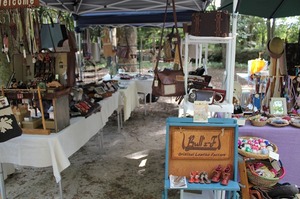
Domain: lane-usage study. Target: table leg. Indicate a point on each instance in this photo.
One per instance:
(100, 139)
(145, 102)
(3, 193)
(118, 120)
(121, 118)
(60, 190)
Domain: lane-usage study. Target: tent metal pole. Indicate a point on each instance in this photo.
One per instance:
(78, 41)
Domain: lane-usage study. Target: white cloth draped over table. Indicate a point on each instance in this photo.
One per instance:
(130, 98)
(55, 149)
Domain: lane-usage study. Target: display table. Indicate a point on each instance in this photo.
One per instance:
(287, 139)
(129, 97)
(55, 149)
(130, 93)
(187, 108)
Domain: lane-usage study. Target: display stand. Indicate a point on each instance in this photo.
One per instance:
(198, 41)
(58, 98)
(201, 147)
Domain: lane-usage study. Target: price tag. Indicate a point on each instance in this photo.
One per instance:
(155, 83)
(20, 96)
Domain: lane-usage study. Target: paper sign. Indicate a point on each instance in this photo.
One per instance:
(273, 155)
(200, 111)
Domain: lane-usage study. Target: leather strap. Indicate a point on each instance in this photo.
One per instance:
(162, 35)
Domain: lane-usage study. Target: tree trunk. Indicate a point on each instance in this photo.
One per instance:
(127, 48)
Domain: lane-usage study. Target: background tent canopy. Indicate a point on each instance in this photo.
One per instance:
(264, 8)
(116, 12)
(145, 18)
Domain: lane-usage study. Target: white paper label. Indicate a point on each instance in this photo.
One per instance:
(169, 89)
(200, 111)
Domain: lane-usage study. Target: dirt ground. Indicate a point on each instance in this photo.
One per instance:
(130, 166)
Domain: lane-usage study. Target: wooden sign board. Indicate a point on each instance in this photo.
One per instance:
(200, 143)
(12, 4)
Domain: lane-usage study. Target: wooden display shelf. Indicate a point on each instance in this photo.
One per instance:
(59, 98)
(36, 131)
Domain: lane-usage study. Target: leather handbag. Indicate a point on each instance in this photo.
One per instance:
(9, 127)
(169, 82)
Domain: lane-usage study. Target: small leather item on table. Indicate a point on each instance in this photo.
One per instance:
(201, 95)
(219, 95)
(211, 95)
(168, 83)
(198, 82)
(9, 127)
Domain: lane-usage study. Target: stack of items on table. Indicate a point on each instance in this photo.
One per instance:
(264, 171)
(273, 120)
(199, 88)
(84, 99)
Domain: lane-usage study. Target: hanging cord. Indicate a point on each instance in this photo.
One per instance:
(162, 33)
(161, 39)
(177, 33)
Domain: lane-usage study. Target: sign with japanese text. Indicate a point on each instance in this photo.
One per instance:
(201, 143)
(11, 4)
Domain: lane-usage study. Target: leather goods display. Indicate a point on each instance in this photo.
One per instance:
(201, 95)
(9, 127)
(169, 82)
(198, 82)
(213, 23)
(219, 94)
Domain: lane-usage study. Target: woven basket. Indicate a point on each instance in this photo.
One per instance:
(261, 181)
(254, 155)
(278, 125)
(258, 123)
(295, 124)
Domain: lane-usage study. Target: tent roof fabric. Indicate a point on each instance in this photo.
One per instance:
(116, 12)
(81, 7)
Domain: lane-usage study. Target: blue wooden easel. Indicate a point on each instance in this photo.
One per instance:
(213, 123)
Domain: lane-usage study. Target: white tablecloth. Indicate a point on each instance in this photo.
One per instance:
(130, 98)
(129, 95)
(187, 108)
(54, 149)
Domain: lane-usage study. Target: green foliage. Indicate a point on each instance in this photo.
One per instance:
(5, 70)
(288, 29)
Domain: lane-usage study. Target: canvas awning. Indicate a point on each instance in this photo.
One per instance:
(264, 8)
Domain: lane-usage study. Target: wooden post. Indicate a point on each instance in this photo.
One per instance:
(244, 179)
(42, 108)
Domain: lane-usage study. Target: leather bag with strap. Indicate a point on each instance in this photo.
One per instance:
(169, 82)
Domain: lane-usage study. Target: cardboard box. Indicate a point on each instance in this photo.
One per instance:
(50, 124)
(20, 112)
(33, 123)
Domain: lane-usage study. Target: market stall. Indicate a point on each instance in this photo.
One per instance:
(55, 149)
